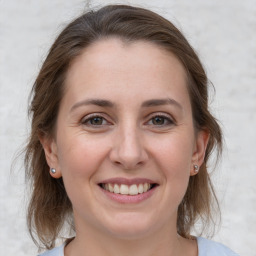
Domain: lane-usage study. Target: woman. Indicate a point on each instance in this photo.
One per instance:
(120, 141)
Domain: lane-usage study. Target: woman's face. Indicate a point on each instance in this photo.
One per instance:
(125, 143)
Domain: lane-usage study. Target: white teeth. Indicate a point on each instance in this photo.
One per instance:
(141, 190)
(133, 190)
(110, 188)
(124, 189)
(145, 187)
(116, 189)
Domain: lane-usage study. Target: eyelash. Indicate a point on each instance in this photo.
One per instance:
(87, 119)
(167, 120)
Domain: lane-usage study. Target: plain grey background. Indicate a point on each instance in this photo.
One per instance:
(224, 35)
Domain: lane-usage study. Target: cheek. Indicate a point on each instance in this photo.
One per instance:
(79, 156)
(174, 159)
(79, 160)
(176, 153)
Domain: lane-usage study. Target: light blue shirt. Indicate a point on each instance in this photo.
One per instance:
(205, 248)
(210, 248)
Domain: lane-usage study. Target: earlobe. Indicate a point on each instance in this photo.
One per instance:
(199, 151)
(51, 156)
(55, 173)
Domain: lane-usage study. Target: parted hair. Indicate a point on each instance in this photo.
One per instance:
(49, 206)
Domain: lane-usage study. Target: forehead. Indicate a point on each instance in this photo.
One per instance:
(112, 66)
(101, 51)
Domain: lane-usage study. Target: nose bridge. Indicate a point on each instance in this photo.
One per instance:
(128, 149)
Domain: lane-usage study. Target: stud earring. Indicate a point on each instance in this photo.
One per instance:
(53, 171)
(196, 168)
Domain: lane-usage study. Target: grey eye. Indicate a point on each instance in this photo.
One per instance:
(97, 120)
(158, 120)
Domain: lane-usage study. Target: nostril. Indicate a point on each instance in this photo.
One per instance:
(128, 155)
(129, 166)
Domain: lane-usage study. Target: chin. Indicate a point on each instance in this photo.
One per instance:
(130, 226)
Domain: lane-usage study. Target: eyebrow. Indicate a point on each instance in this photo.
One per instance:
(109, 104)
(160, 102)
(97, 102)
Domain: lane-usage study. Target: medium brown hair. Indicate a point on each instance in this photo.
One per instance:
(50, 206)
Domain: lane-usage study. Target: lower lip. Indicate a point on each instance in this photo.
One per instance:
(128, 199)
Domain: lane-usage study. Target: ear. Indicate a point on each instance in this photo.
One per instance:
(51, 156)
(201, 142)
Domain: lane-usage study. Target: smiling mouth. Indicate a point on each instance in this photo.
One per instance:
(123, 189)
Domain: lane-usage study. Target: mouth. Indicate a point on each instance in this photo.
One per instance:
(124, 189)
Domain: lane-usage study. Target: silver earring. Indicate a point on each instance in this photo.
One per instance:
(53, 171)
(196, 168)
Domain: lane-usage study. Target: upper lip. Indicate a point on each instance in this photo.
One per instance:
(120, 180)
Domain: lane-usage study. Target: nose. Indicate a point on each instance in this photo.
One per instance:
(128, 150)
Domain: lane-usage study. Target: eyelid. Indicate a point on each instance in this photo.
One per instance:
(88, 117)
(84, 121)
(163, 115)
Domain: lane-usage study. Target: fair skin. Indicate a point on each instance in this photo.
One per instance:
(125, 123)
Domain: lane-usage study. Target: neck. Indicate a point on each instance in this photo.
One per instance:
(164, 242)
(117, 247)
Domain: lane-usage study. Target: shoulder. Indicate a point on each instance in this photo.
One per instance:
(58, 251)
(210, 248)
